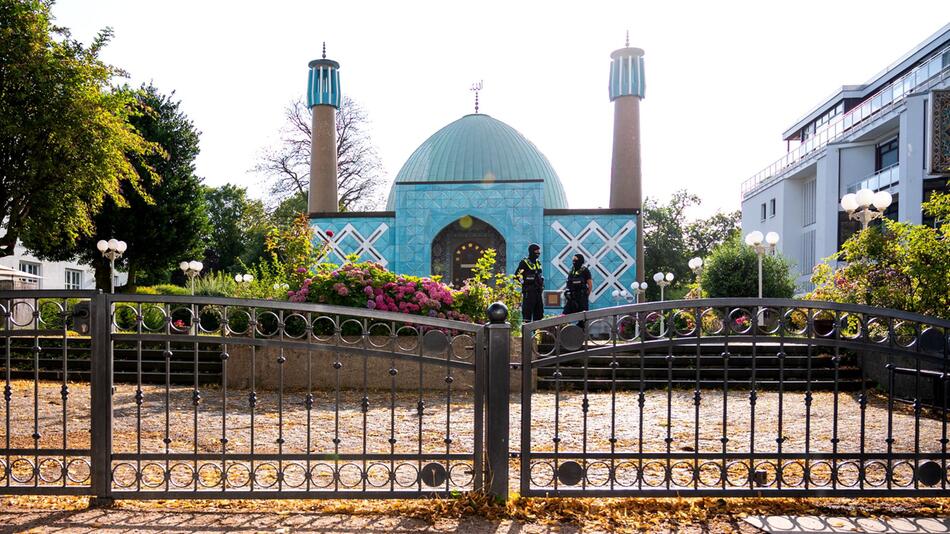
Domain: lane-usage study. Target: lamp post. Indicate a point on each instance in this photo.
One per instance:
(866, 205)
(111, 249)
(616, 295)
(754, 240)
(696, 265)
(640, 288)
(663, 280)
(191, 270)
(243, 278)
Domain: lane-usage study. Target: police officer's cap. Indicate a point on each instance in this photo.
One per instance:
(534, 246)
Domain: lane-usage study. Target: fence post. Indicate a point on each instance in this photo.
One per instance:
(101, 386)
(498, 387)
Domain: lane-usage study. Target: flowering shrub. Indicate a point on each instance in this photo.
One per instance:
(371, 286)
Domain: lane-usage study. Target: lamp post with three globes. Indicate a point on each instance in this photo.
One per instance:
(111, 249)
(191, 270)
(859, 205)
(755, 240)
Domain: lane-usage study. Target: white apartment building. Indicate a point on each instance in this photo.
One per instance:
(51, 274)
(877, 135)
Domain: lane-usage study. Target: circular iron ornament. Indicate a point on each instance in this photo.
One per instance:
(604, 326)
(463, 347)
(713, 322)
(627, 329)
(435, 342)
(848, 473)
(905, 335)
(681, 319)
(322, 475)
(598, 474)
(655, 325)
(349, 475)
(740, 321)
(323, 328)
(932, 340)
(571, 338)
(123, 318)
(433, 474)
(820, 469)
(294, 475)
(407, 339)
(379, 331)
(295, 326)
(3, 470)
(22, 464)
(378, 475)
(710, 474)
(769, 320)
(30, 314)
(796, 322)
(654, 474)
(351, 338)
(57, 466)
(543, 468)
(570, 473)
(770, 474)
(930, 473)
(178, 479)
(626, 474)
(183, 314)
(154, 317)
(738, 474)
(544, 343)
(823, 323)
(236, 318)
(214, 470)
(903, 474)
(120, 481)
(682, 474)
(265, 479)
(153, 475)
(268, 324)
(875, 473)
(406, 475)
(461, 474)
(792, 474)
(851, 326)
(877, 330)
(84, 469)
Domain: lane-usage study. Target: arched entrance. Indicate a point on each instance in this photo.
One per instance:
(459, 245)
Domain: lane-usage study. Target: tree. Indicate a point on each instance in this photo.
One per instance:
(358, 166)
(669, 240)
(164, 219)
(238, 226)
(897, 265)
(66, 142)
(732, 270)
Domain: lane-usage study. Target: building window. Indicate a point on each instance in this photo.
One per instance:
(73, 279)
(762, 211)
(809, 199)
(30, 268)
(886, 154)
(772, 208)
(808, 252)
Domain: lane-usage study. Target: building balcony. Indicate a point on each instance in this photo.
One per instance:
(880, 180)
(922, 78)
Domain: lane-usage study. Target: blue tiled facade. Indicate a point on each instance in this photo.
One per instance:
(371, 238)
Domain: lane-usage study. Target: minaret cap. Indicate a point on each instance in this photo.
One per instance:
(626, 72)
(323, 82)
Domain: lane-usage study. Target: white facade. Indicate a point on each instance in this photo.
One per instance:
(871, 136)
(53, 274)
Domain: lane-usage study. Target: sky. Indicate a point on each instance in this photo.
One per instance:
(723, 79)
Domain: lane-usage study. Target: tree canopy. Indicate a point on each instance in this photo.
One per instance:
(238, 226)
(67, 145)
(670, 240)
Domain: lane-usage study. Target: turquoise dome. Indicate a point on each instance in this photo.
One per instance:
(478, 147)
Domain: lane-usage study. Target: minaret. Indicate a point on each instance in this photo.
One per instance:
(626, 91)
(323, 99)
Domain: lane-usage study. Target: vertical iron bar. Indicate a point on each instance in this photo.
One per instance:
(890, 403)
(139, 322)
(36, 392)
(780, 439)
(697, 394)
(753, 392)
(8, 390)
(64, 389)
(613, 396)
(641, 396)
(863, 403)
(478, 451)
(834, 420)
(527, 357)
(281, 359)
(670, 326)
(498, 408)
(224, 398)
(726, 328)
(810, 342)
(308, 402)
(101, 387)
(918, 406)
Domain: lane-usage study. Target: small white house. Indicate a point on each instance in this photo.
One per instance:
(51, 274)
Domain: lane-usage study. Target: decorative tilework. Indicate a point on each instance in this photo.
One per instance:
(940, 130)
(369, 238)
(514, 209)
(608, 242)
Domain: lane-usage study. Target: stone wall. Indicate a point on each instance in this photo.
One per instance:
(354, 364)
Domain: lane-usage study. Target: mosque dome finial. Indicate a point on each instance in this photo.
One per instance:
(626, 43)
(325, 46)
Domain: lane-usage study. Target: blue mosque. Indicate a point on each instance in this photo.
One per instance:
(479, 184)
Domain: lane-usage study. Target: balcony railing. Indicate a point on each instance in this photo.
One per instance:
(882, 179)
(926, 75)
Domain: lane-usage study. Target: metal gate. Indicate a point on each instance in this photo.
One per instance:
(735, 397)
(192, 397)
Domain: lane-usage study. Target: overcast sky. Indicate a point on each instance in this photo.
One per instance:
(724, 79)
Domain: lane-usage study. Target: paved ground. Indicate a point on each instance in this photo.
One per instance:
(783, 524)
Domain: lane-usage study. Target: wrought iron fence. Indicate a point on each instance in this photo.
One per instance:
(139, 396)
(694, 398)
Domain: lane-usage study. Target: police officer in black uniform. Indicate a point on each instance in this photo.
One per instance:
(532, 284)
(579, 286)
